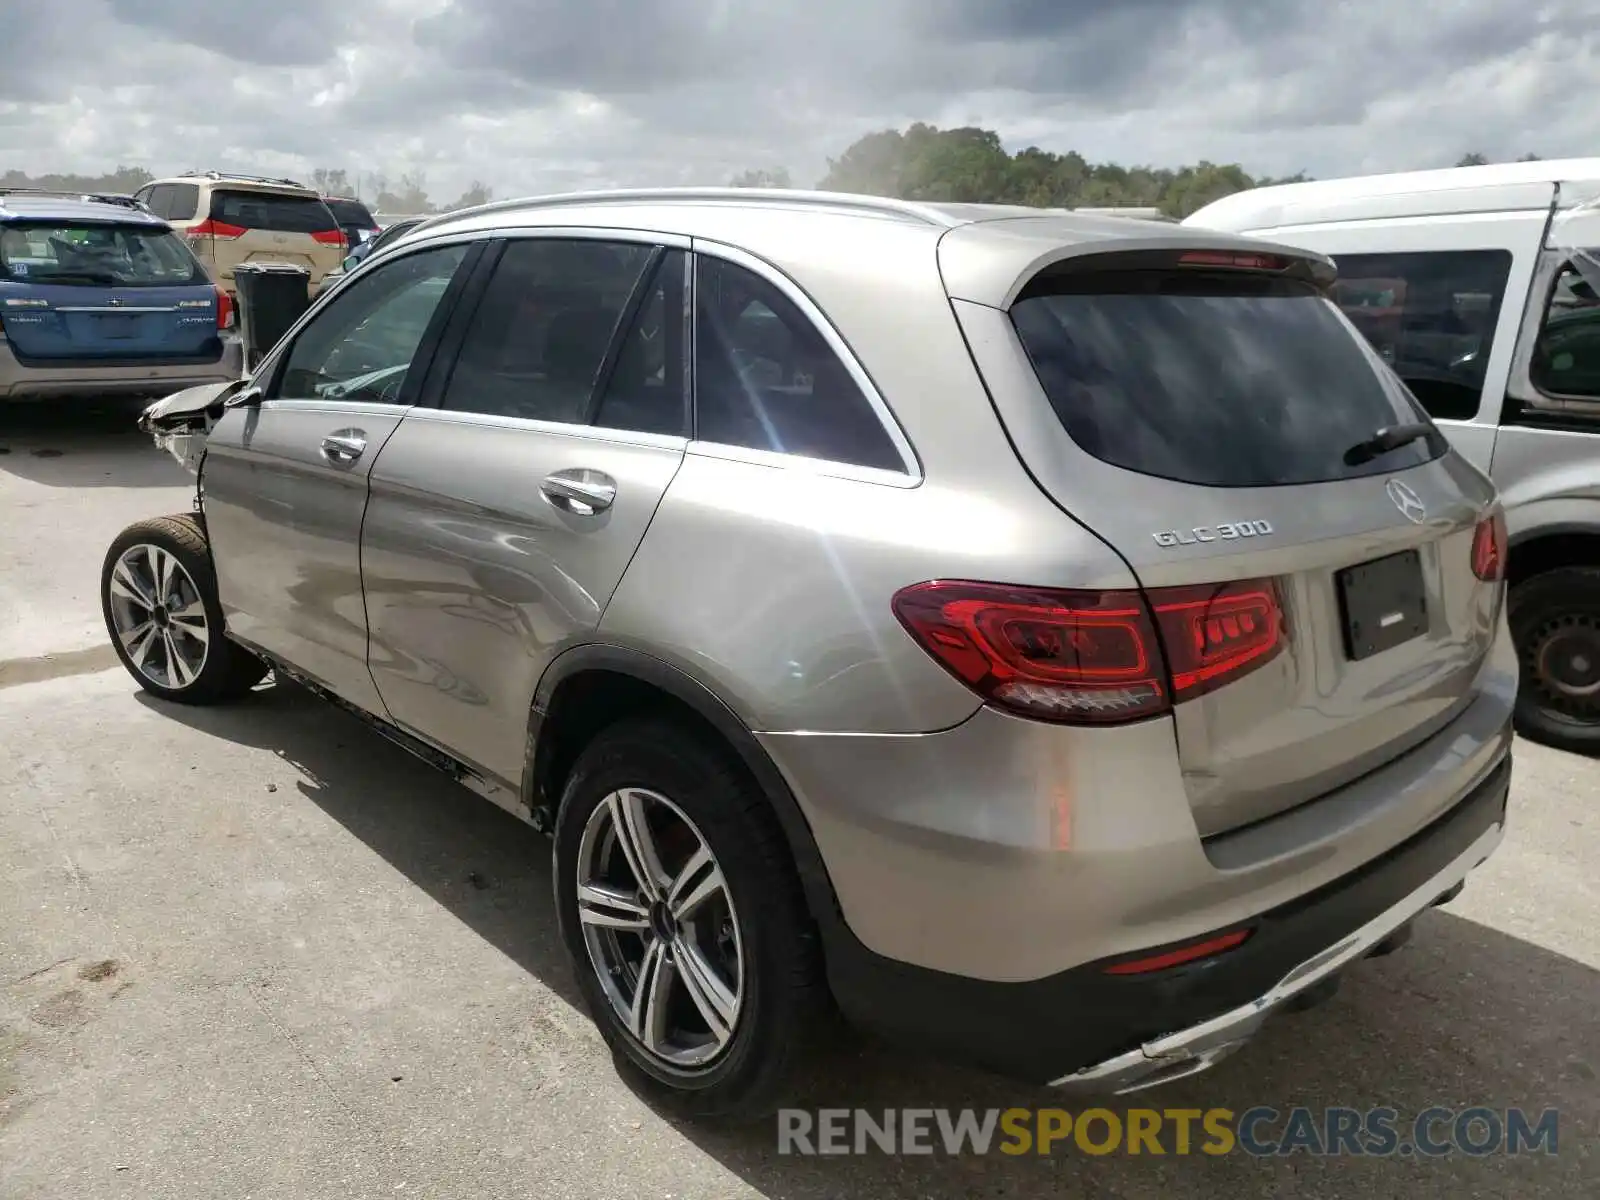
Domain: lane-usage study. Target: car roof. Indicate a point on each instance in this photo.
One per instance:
(986, 252)
(46, 206)
(1494, 187)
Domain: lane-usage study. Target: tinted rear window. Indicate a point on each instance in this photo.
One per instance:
(351, 212)
(270, 211)
(1225, 381)
(95, 254)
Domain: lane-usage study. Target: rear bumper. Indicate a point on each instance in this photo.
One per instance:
(985, 875)
(1091, 1033)
(131, 378)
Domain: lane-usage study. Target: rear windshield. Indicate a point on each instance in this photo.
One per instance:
(351, 212)
(96, 254)
(1224, 381)
(272, 211)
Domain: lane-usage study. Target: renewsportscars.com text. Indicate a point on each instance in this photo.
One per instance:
(1261, 1131)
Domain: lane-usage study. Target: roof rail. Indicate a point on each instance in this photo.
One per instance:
(71, 194)
(777, 197)
(241, 177)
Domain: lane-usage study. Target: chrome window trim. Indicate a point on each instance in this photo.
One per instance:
(803, 464)
(841, 349)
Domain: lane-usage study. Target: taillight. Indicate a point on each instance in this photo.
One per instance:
(224, 309)
(217, 229)
(1489, 549)
(329, 237)
(1093, 657)
(1193, 952)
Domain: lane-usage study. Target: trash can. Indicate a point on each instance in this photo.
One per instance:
(272, 297)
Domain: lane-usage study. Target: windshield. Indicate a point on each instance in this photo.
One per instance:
(1224, 382)
(93, 253)
(351, 212)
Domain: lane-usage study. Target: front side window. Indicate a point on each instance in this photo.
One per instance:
(1566, 357)
(541, 332)
(361, 346)
(1431, 316)
(766, 378)
(94, 253)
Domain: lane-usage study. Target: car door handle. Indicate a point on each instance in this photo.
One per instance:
(581, 491)
(345, 446)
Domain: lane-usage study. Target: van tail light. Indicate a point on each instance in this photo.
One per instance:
(329, 237)
(1093, 658)
(224, 310)
(216, 229)
(1489, 548)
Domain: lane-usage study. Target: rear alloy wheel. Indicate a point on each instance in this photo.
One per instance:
(158, 596)
(685, 921)
(1555, 622)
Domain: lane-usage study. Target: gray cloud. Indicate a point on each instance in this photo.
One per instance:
(546, 94)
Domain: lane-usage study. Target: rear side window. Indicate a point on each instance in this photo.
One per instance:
(272, 211)
(1431, 316)
(182, 202)
(1566, 358)
(96, 254)
(542, 331)
(1211, 379)
(766, 378)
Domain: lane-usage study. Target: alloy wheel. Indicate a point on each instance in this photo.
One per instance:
(159, 616)
(660, 927)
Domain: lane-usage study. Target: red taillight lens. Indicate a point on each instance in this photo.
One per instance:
(1216, 633)
(329, 237)
(1489, 549)
(217, 229)
(1092, 657)
(1234, 259)
(1182, 954)
(224, 309)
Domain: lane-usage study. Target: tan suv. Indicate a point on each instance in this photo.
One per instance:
(231, 219)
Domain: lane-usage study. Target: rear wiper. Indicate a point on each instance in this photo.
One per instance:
(1391, 437)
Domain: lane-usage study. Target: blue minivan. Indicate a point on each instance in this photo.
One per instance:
(98, 296)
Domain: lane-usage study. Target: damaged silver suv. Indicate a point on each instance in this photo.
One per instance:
(1056, 641)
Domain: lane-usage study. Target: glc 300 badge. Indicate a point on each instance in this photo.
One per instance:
(1212, 533)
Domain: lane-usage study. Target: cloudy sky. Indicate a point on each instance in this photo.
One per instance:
(540, 95)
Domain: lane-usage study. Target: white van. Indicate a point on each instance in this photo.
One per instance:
(1477, 285)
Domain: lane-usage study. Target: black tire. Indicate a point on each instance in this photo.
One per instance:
(1555, 623)
(227, 670)
(784, 1002)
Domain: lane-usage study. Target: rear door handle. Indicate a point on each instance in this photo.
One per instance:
(580, 491)
(345, 446)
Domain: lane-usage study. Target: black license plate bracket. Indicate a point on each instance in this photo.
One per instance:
(1383, 604)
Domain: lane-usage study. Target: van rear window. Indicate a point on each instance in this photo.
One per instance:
(272, 211)
(96, 254)
(1213, 379)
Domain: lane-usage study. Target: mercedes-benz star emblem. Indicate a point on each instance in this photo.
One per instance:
(1407, 501)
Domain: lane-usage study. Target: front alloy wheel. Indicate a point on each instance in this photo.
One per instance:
(158, 595)
(660, 928)
(158, 615)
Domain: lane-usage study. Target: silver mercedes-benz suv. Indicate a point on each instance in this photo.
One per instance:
(1056, 641)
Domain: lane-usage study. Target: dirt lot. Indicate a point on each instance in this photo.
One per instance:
(258, 952)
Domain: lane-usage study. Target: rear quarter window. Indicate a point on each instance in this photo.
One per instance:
(275, 212)
(1222, 380)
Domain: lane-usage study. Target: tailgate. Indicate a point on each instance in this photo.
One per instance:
(1203, 415)
(74, 324)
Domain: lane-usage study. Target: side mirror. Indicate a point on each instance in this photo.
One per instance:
(350, 263)
(249, 397)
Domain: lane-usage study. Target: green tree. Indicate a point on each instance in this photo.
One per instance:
(332, 181)
(1471, 160)
(477, 193)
